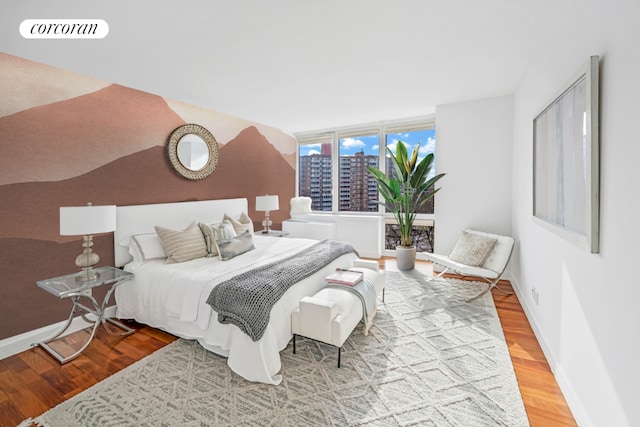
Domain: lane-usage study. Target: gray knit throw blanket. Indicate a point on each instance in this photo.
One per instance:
(246, 300)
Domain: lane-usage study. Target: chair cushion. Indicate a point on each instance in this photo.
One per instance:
(499, 256)
(300, 205)
(472, 248)
(464, 269)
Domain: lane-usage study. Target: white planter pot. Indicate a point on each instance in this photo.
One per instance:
(406, 257)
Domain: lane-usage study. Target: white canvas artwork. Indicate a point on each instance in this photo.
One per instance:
(566, 165)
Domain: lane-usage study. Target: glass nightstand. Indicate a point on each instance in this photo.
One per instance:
(273, 233)
(67, 287)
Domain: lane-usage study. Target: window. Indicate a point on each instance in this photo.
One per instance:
(355, 190)
(315, 172)
(423, 226)
(411, 138)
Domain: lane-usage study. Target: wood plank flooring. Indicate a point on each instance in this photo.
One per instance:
(31, 382)
(543, 400)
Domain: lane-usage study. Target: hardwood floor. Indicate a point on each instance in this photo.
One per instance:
(543, 400)
(31, 382)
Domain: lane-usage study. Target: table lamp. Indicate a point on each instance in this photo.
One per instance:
(87, 221)
(266, 203)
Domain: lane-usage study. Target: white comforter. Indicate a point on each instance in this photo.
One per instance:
(173, 297)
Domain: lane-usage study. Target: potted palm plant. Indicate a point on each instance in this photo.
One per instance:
(408, 189)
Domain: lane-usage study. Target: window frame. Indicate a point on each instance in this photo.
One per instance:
(320, 138)
(352, 134)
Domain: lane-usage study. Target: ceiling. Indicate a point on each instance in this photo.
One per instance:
(301, 65)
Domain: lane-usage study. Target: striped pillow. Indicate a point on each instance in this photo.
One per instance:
(212, 232)
(182, 245)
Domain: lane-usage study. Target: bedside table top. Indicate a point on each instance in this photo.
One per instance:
(273, 233)
(65, 286)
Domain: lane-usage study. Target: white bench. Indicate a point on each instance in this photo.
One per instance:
(333, 313)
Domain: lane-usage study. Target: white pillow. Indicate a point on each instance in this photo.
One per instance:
(148, 247)
(135, 254)
(472, 249)
(240, 225)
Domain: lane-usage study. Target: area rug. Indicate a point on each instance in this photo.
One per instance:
(430, 359)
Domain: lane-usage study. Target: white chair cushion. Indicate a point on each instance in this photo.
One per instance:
(472, 248)
(499, 257)
(300, 206)
(492, 267)
(464, 269)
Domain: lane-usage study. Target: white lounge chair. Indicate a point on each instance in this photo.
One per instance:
(490, 269)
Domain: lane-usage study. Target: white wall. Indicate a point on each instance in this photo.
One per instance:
(587, 318)
(475, 151)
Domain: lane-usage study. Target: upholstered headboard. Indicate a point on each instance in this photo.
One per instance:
(142, 218)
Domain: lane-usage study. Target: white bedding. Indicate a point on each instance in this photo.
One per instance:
(173, 297)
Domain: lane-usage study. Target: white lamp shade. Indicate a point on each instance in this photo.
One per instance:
(87, 220)
(267, 203)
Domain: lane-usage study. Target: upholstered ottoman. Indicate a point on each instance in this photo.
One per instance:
(333, 313)
(372, 273)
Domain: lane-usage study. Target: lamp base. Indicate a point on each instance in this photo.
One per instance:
(86, 260)
(266, 224)
(87, 275)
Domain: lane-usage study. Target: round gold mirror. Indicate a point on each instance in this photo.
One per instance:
(193, 151)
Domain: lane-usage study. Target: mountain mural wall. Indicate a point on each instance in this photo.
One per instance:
(67, 139)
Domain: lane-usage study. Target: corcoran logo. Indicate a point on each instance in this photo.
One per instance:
(64, 29)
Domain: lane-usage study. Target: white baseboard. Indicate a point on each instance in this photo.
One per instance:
(575, 405)
(19, 343)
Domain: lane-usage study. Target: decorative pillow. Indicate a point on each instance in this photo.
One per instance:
(149, 246)
(241, 224)
(212, 232)
(472, 249)
(300, 205)
(182, 245)
(135, 254)
(229, 248)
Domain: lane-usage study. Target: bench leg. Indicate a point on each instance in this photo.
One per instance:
(294, 343)
(339, 351)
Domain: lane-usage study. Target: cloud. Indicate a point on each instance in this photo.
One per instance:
(392, 146)
(311, 152)
(429, 147)
(353, 143)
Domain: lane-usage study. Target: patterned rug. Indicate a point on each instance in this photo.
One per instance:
(431, 359)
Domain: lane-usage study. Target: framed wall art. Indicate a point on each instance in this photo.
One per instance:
(566, 161)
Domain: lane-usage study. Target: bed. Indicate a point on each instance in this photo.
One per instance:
(173, 296)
